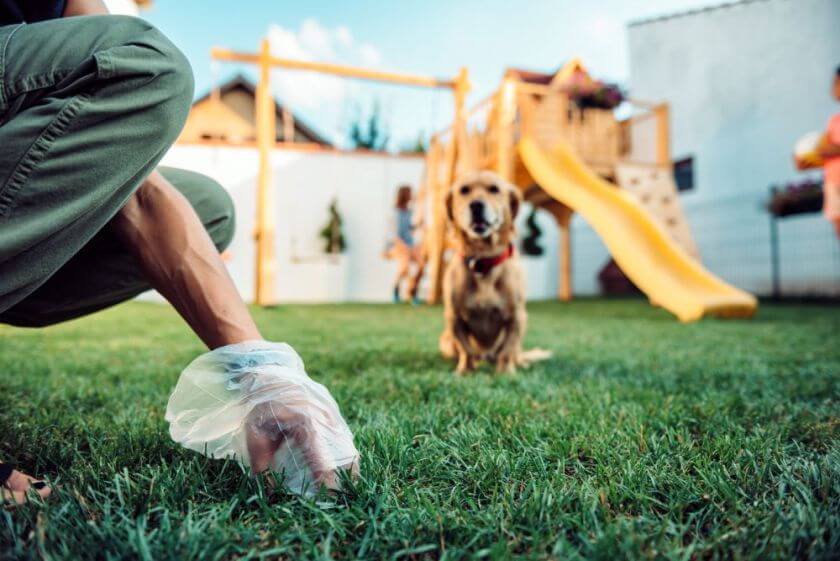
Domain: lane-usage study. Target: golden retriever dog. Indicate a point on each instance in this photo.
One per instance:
(483, 286)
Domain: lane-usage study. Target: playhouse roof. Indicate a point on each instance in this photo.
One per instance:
(242, 83)
(529, 76)
(558, 77)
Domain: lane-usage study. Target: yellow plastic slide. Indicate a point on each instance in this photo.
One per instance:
(643, 250)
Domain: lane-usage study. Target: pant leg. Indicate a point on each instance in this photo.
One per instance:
(88, 106)
(103, 273)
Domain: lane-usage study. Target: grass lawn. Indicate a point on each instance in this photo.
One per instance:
(641, 438)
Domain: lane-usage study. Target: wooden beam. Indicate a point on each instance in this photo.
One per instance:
(663, 135)
(266, 139)
(565, 288)
(435, 236)
(563, 215)
(266, 265)
(336, 69)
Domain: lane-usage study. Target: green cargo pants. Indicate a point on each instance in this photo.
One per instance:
(88, 107)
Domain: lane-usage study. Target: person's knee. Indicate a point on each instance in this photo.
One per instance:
(174, 78)
(162, 74)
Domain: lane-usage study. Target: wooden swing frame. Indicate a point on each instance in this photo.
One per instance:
(266, 129)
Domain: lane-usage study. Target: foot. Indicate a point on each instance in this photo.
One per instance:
(506, 364)
(397, 294)
(466, 364)
(15, 488)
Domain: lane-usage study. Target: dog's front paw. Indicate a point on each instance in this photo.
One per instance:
(506, 364)
(465, 365)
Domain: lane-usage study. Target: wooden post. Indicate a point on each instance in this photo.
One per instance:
(505, 116)
(436, 229)
(663, 135)
(433, 238)
(456, 149)
(266, 139)
(563, 215)
(565, 288)
(459, 128)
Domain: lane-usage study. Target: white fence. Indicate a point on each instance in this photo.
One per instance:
(733, 234)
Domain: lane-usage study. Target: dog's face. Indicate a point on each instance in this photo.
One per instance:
(482, 204)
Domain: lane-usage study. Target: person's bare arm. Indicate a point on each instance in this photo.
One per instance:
(159, 226)
(84, 8)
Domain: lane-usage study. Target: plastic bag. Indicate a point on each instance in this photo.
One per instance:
(261, 388)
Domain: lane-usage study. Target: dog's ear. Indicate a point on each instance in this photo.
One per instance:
(514, 200)
(448, 203)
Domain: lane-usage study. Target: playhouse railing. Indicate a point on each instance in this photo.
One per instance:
(550, 116)
(645, 135)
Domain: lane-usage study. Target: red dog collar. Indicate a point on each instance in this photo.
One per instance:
(483, 265)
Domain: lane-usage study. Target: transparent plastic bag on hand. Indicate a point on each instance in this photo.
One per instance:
(262, 388)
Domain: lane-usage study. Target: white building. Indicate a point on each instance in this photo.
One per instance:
(744, 81)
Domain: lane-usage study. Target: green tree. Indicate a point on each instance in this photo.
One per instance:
(331, 233)
(370, 134)
(417, 146)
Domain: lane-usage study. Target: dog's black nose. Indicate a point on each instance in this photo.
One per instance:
(477, 210)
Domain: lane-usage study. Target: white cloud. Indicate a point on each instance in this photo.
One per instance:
(316, 39)
(604, 27)
(344, 36)
(370, 55)
(286, 43)
(324, 97)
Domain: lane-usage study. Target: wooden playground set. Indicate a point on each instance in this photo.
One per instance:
(565, 158)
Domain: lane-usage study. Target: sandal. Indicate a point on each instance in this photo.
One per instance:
(10, 497)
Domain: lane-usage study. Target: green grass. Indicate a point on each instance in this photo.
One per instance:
(641, 438)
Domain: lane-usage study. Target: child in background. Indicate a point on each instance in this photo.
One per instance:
(401, 245)
(830, 152)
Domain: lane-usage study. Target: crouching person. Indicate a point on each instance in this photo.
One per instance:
(88, 107)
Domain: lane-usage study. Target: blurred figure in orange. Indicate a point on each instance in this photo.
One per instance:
(830, 152)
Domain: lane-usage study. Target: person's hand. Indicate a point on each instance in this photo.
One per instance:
(84, 8)
(799, 163)
(303, 424)
(254, 402)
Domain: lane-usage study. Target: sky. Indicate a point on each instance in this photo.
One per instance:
(431, 37)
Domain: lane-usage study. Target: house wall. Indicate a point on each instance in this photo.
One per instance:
(304, 184)
(233, 120)
(744, 82)
(241, 103)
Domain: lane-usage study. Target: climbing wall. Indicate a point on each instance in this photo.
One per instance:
(655, 189)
